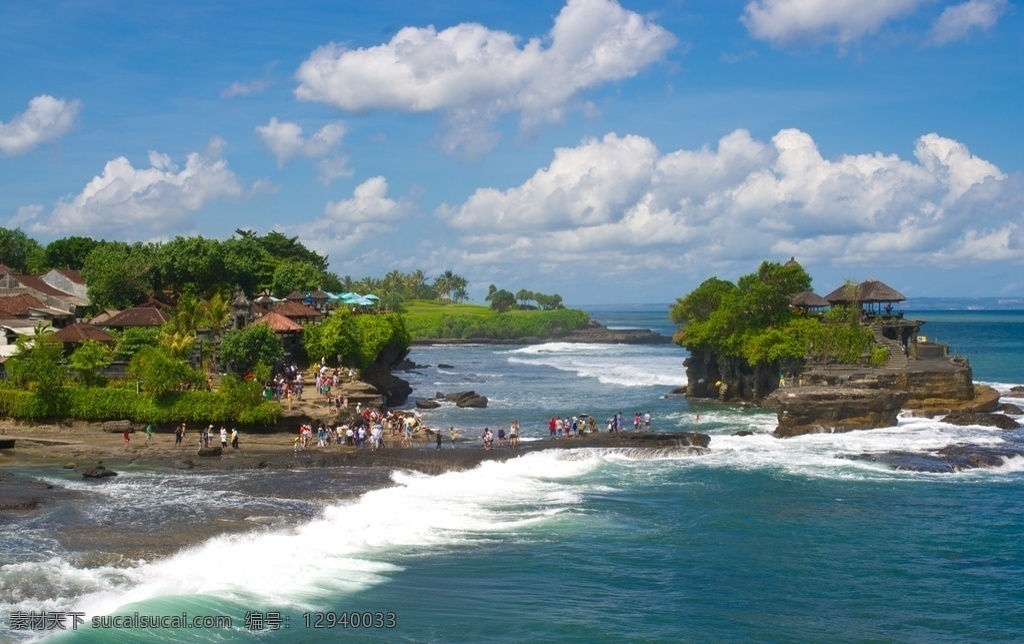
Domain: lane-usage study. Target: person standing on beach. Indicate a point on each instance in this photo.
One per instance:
(127, 438)
(438, 435)
(234, 438)
(149, 433)
(453, 434)
(647, 422)
(179, 433)
(223, 438)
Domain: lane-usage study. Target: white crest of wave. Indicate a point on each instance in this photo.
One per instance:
(820, 455)
(351, 546)
(612, 364)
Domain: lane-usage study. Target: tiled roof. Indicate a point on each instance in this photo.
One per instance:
(294, 310)
(18, 305)
(279, 323)
(83, 332)
(138, 316)
(72, 274)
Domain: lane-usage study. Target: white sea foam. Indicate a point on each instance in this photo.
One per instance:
(624, 365)
(351, 546)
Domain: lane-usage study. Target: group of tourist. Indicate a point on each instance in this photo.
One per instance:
(372, 428)
(488, 436)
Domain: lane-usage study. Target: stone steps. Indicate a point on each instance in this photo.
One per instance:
(897, 358)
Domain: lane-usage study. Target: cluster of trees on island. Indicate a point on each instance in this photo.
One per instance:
(753, 320)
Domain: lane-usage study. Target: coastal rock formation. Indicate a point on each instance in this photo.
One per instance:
(427, 403)
(964, 418)
(97, 472)
(1011, 409)
(815, 410)
(465, 399)
(118, 426)
(393, 389)
(952, 458)
(211, 451)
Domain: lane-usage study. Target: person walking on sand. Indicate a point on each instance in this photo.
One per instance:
(179, 433)
(438, 435)
(149, 434)
(234, 438)
(453, 435)
(127, 438)
(223, 438)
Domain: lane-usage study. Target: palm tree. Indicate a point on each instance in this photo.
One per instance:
(217, 313)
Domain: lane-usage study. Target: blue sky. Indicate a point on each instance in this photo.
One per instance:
(609, 152)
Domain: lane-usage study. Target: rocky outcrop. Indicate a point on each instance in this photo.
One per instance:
(952, 458)
(815, 410)
(465, 399)
(96, 472)
(118, 426)
(211, 452)
(427, 403)
(965, 418)
(392, 389)
(709, 375)
(1011, 409)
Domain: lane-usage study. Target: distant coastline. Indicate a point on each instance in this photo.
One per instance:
(593, 334)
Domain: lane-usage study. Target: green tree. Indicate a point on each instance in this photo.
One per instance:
(247, 264)
(119, 275)
(296, 276)
(502, 300)
(288, 249)
(160, 373)
(216, 313)
(134, 339)
(38, 361)
(524, 296)
(19, 252)
(69, 252)
(194, 262)
(244, 349)
(89, 360)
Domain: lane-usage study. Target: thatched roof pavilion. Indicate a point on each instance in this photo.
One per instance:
(808, 300)
(872, 293)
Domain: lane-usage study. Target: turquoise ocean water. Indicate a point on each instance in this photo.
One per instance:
(760, 539)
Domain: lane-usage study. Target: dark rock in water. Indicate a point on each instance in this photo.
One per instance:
(1002, 421)
(475, 402)
(467, 399)
(18, 493)
(1017, 391)
(426, 403)
(442, 365)
(439, 396)
(118, 426)
(211, 451)
(98, 472)
(816, 410)
(743, 432)
(1011, 409)
(952, 458)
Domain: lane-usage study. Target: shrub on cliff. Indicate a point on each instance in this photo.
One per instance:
(749, 319)
(358, 339)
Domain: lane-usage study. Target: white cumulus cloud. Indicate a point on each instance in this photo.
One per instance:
(46, 119)
(958, 21)
(619, 206)
(472, 75)
(286, 142)
(783, 22)
(346, 224)
(138, 203)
